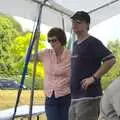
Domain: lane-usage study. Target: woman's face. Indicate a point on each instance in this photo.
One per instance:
(54, 42)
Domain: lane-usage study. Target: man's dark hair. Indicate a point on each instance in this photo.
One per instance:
(81, 15)
(59, 33)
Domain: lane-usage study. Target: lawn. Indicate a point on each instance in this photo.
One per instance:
(8, 98)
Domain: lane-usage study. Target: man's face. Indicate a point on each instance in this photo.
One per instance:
(79, 26)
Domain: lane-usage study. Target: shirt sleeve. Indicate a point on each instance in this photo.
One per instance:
(100, 51)
(115, 95)
(109, 110)
(116, 104)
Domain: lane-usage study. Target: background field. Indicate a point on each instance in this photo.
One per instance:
(8, 99)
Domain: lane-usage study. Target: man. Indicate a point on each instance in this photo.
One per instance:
(110, 102)
(86, 70)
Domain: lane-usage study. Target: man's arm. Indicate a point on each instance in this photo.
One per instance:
(104, 68)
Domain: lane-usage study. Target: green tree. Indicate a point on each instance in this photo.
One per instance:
(18, 50)
(15, 24)
(7, 35)
(114, 46)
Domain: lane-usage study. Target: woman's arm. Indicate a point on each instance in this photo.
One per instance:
(39, 56)
(33, 56)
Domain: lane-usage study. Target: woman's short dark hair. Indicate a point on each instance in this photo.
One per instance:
(59, 33)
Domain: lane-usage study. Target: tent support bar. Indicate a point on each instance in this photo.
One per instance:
(37, 35)
(69, 13)
(103, 6)
(63, 22)
(91, 11)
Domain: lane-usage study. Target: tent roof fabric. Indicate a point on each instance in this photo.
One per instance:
(55, 10)
(99, 10)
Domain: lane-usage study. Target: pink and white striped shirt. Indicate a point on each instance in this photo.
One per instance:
(57, 75)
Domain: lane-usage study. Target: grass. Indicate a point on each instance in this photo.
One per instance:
(8, 99)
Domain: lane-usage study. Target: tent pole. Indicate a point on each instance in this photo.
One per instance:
(27, 58)
(63, 22)
(103, 6)
(35, 60)
(60, 8)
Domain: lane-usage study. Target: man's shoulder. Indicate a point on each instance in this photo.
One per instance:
(94, 41)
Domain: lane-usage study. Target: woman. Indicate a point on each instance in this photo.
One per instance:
(56, 63)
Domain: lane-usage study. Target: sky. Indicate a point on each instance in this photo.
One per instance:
(105, 31)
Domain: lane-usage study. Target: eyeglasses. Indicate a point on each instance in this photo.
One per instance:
(52, 40)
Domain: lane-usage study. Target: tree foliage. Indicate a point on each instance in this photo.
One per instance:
(13, 48)
(114, 46)
(18, 50)
(7, 35)
(15, 24)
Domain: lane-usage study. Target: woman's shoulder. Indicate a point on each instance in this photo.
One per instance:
(47, 50)
(67, 54)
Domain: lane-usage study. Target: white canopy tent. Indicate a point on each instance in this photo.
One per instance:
(99, 10)
(52, 14)
(57, 11)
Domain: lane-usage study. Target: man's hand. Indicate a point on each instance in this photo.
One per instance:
(87, 82)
